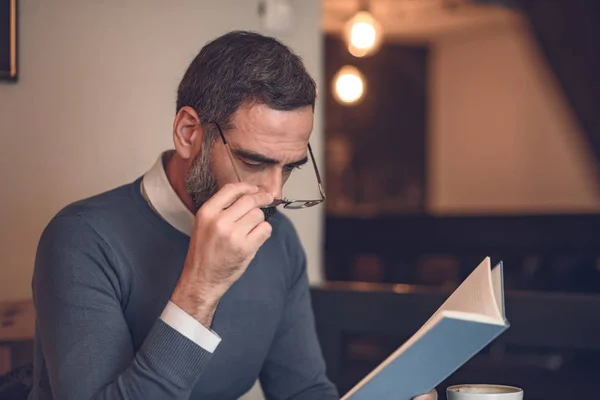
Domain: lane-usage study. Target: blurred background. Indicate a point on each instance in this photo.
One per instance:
(446, 130)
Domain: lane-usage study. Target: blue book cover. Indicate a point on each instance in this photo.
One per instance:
(470, 319)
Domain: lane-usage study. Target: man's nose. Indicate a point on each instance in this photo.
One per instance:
(272, 182)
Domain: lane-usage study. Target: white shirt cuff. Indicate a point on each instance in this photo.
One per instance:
(185, 324)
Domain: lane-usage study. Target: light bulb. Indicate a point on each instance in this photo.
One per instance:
(363, 34)
(348, 85)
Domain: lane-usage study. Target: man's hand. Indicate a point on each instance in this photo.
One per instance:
(229, 229)
(429, 396)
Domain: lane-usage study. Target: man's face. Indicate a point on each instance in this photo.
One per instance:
(266, 145)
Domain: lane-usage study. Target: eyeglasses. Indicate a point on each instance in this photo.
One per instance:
(287, 203)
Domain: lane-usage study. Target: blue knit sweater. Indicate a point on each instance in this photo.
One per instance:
(105, 269)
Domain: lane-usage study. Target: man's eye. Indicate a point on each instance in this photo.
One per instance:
(252, 165)
(290, 168)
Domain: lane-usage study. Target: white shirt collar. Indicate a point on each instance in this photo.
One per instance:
(162, 198)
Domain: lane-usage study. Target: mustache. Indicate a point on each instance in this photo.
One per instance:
(268, 212)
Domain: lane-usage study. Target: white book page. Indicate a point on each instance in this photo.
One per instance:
(476, 294)
(484, 319)
(498, 283)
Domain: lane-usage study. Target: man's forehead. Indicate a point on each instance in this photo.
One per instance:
(284, 125)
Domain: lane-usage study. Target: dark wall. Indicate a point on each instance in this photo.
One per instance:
(386, 130)
(6, 35)
(567, 33)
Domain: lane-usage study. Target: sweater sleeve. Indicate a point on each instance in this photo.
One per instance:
(81, 328)
(295, 368)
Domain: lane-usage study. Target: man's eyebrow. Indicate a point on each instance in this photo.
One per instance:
(298, 163)
(261, 158)
(253, 156)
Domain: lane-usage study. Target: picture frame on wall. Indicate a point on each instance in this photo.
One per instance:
(8, 40)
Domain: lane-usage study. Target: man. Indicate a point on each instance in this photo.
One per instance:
(176, 286)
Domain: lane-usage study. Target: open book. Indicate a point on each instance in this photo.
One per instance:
(470, 319)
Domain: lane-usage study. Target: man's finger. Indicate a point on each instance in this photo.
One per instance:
(245, 204)
(248, 222)
(260, 234)
(227, 195)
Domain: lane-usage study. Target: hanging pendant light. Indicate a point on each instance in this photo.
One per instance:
(348, 85)
(363, 34)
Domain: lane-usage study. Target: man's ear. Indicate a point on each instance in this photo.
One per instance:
(187, 132)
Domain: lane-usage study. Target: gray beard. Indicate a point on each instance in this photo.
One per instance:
(201, 184)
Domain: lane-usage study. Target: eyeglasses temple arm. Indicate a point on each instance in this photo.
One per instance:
(237, 173)
(319, 181)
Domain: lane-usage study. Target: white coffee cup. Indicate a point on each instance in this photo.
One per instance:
(484, 392)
